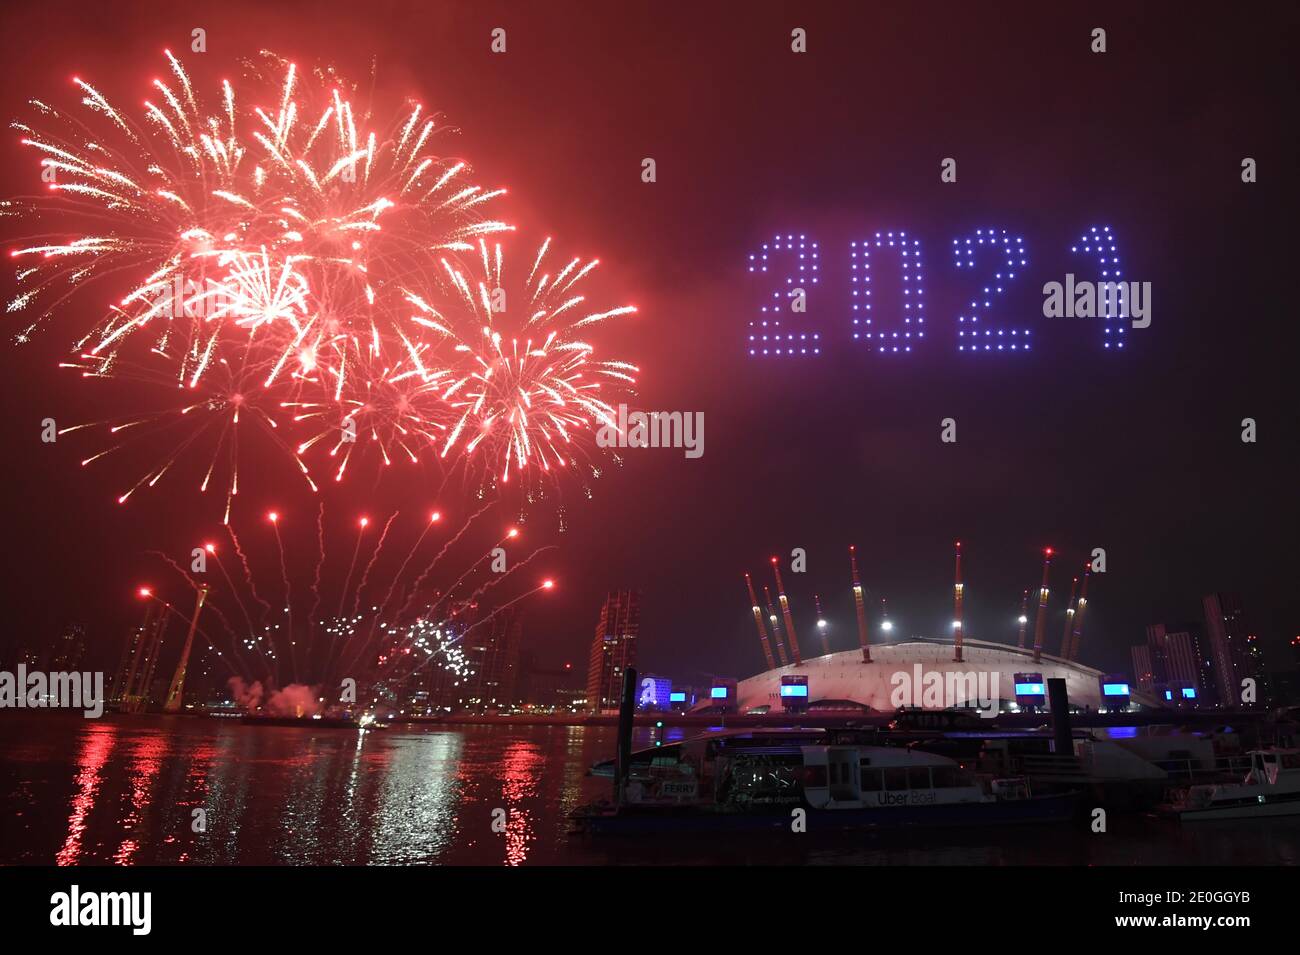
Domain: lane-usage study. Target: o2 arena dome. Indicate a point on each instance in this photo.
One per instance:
(923, 673)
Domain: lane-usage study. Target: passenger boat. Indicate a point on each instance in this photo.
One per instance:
(757, 779)
(1270, 788)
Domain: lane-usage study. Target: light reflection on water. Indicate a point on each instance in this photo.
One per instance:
(128, 790)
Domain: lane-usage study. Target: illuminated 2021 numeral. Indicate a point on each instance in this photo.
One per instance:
(975, 333)
(783, 327)
(888, 334)
(1100, 243)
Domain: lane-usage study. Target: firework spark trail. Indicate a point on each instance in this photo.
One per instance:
(288, 599)
(353, 652)
(378, 611)
(394, 584)
(347, 583)
(225, 622)
(365, 575)
(329, 266)
(509, 535)
(491, 616)
(492, 582)
(434, 518)
(238, 600)
(527, 391)
(415, 588)
(252, 587)
(358, 652)
(371, 646)
(415, 637)
(497, 579)
(267, 194)
(315, 582)
(451, 643)
(209, 415)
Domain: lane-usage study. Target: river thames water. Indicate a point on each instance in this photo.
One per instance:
(124, 791)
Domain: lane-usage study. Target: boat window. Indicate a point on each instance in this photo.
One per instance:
(895, 779)
(662, 756)
(871, 782)
(814, 777)
(949, 777)
(766, 778)
(918, 777)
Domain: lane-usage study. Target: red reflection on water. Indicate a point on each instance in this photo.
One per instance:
(521, 766)
(95, 749)
(147, 761)
(196, 782)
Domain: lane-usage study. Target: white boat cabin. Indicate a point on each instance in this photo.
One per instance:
(858, 777)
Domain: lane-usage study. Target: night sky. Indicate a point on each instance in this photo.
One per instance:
(1072, 446)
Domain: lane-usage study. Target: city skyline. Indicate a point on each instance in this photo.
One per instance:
(1175, 659)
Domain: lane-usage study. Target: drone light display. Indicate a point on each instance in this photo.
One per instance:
(995, 257)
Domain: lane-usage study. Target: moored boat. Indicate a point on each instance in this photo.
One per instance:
(761, 779)
(1270, 788)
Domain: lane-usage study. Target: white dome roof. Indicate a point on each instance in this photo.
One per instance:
(892, 674)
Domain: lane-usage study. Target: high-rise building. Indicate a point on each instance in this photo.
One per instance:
(1178, 660)
(493, 652)
(1173, 665)
(546, 687)
(613, 650)
(69, 649)
(1143, 672)
(1253, 666)
(1231, 655)
(1285, 683)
